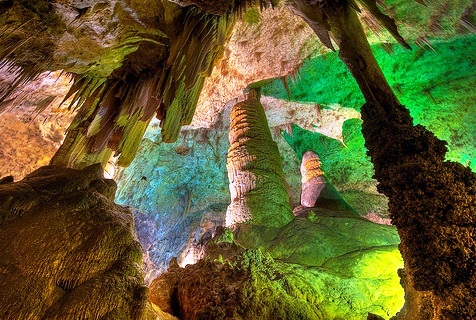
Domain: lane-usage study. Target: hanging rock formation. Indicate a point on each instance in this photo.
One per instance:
(161, 61)
(67, 251)
(257, 186)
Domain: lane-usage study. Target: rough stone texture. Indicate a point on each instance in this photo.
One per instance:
(67, 251)
(61, 31)
(32, 126)
(418, 304)
(257, 185)
(158, 62)
(432, 203)
(181, 190)
(258, 49)
(317, 236)
(253, 285)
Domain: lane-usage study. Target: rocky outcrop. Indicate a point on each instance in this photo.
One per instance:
(257, 186)
(67, 251)
(344, 268)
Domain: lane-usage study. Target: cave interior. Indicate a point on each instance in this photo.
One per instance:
(238, 159)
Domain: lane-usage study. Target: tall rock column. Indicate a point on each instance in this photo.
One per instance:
(432, 201)
(257, 187)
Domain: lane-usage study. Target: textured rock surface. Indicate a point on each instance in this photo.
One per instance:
(318, 236)
(432, 204)
(253, 285)
(182, 190)
(312, 179)
(67, 251)
(258, 49)
(32, 125)
(425, 193)
(257, 184)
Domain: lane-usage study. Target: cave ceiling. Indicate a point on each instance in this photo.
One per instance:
(131, 60)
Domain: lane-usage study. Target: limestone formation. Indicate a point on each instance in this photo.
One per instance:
(432, 202)
(257, 187)
(313, 179)
(160, 70)
(332, 268)
(67, 251)
(316, 191)
(63, 242)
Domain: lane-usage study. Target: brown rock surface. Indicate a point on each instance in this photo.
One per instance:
(32, 125)
(67, 251)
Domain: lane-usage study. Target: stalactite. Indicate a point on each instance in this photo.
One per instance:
(168, 86)
(257, 187)
(223, 7)
(114, 113)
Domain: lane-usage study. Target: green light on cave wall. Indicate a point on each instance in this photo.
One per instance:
(436, 85)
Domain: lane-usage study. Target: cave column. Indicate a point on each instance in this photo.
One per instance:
(257, 186)
(355, 52)
(432, 202)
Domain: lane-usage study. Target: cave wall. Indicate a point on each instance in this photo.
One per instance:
(433, 84)
(67, 251)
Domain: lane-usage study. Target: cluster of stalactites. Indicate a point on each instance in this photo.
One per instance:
(114, 113)
(227, 6)
(319, 13)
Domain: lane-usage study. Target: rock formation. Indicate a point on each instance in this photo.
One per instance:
(67, 251)
(316, 191)
(151, 59)
(160, 70)
(320, 266)
(257, 186)
(432, 202)
(313, 179)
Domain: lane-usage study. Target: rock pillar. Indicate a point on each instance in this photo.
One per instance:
(432, 201)
(312, 179)
(316, 191)
(257, 187)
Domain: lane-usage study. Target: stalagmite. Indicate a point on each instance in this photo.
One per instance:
(258, 192)
(316, 191)
(313, 180)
